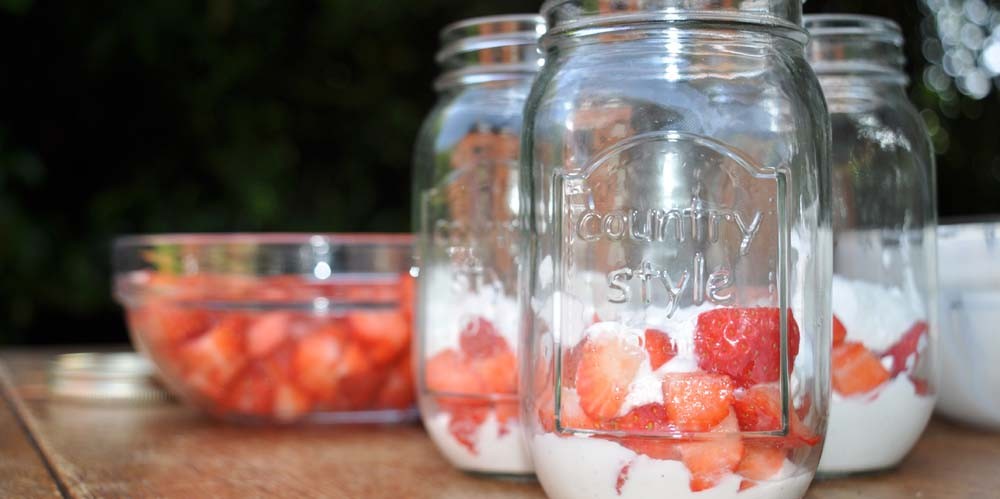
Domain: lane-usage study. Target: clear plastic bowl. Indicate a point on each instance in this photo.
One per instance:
(274, 327)
(970, 311)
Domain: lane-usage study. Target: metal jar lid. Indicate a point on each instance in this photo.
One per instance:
(105, 377)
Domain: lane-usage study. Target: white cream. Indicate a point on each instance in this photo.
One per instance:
(495, 453)
(875, 315)
(869, 434)
(581, 467)
(449, 309)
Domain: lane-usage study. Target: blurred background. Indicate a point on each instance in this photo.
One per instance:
(260, 115)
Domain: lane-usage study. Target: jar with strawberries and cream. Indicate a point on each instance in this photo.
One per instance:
(884, 268)
(676, 286)
(466, 207)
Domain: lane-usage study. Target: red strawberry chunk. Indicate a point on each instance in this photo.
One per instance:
(570, 363)
(498, 372)
(210, 361)
(758, 408)
(697, 401)
(385, 334)
(608, 364)
(761, 462)
(397, 390)
(744, 343)
(317, 359)
(856, 369)
(267, 333)
(622, 478)
(660, 347)
(448, 372)
(479, 339)
(905, 348)
(839, 331)
(647, 418)
(711, 460)
(465, 421)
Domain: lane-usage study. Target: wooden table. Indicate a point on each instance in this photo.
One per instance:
(52, 448)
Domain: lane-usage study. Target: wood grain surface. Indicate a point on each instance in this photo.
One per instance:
(22, 471)
(170, 451)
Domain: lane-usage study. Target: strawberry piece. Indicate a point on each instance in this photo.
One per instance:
(498, 372)
(170, 324)
(839, 332)
(697, 401)
(210, 361)
(905, 348)
(920, 386)
(660, 347)
(385, 333)
(506, 411)
(608, 364)
(317, 359)
(571, 414)
(267, 333)
(744, 343)
(647, 418)
(465, 421)
(397, 391)
(758, 408)
(710, 460)
(252, 393)
(407, 294)
(856, 369)
(479, 339)
(448, 372)
(622, 478)
(290, 402)
(570, 363)
(761, 462)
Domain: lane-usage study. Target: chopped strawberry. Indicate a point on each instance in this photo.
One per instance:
(210, 361)
(506, 411)
(571, 414)
(651, 418)
(761, 461)
(744, 343)
(170, 324)
(407, 292)
(839, 332)
(758, 408)
(710, 460)
(447, 372)
(267, 333)
(317, 359)
(465, 421)
(251, 392)
(608, 364)
(622, 478)
(660, 346)
(920, 386)
(697, 401)
(384, 333)
(290, 402)
(906, 347)
(856, 369)
(498, 372)
(570, 363)
(479, 339)
(397, 390)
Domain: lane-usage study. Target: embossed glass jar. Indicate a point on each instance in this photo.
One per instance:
(884, 266)
(466, 200)
(675, 194)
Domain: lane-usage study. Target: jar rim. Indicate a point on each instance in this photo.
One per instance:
(477, 43)
(823, 25)
(590, 17)
(472, 26)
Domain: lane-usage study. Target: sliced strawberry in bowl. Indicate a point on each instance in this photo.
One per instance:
(608, 364)
(744, 343)
(760, 462)
(267, 333)
(210, 361)
(385, 333)
(659, 346)
(479, 339)
(696, 402)
(856, 370)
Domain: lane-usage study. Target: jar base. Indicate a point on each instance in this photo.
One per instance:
(833, 475)
(503, 476)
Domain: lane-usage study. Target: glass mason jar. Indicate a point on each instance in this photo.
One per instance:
(675, 190)
(884, 259)
(466, 205)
